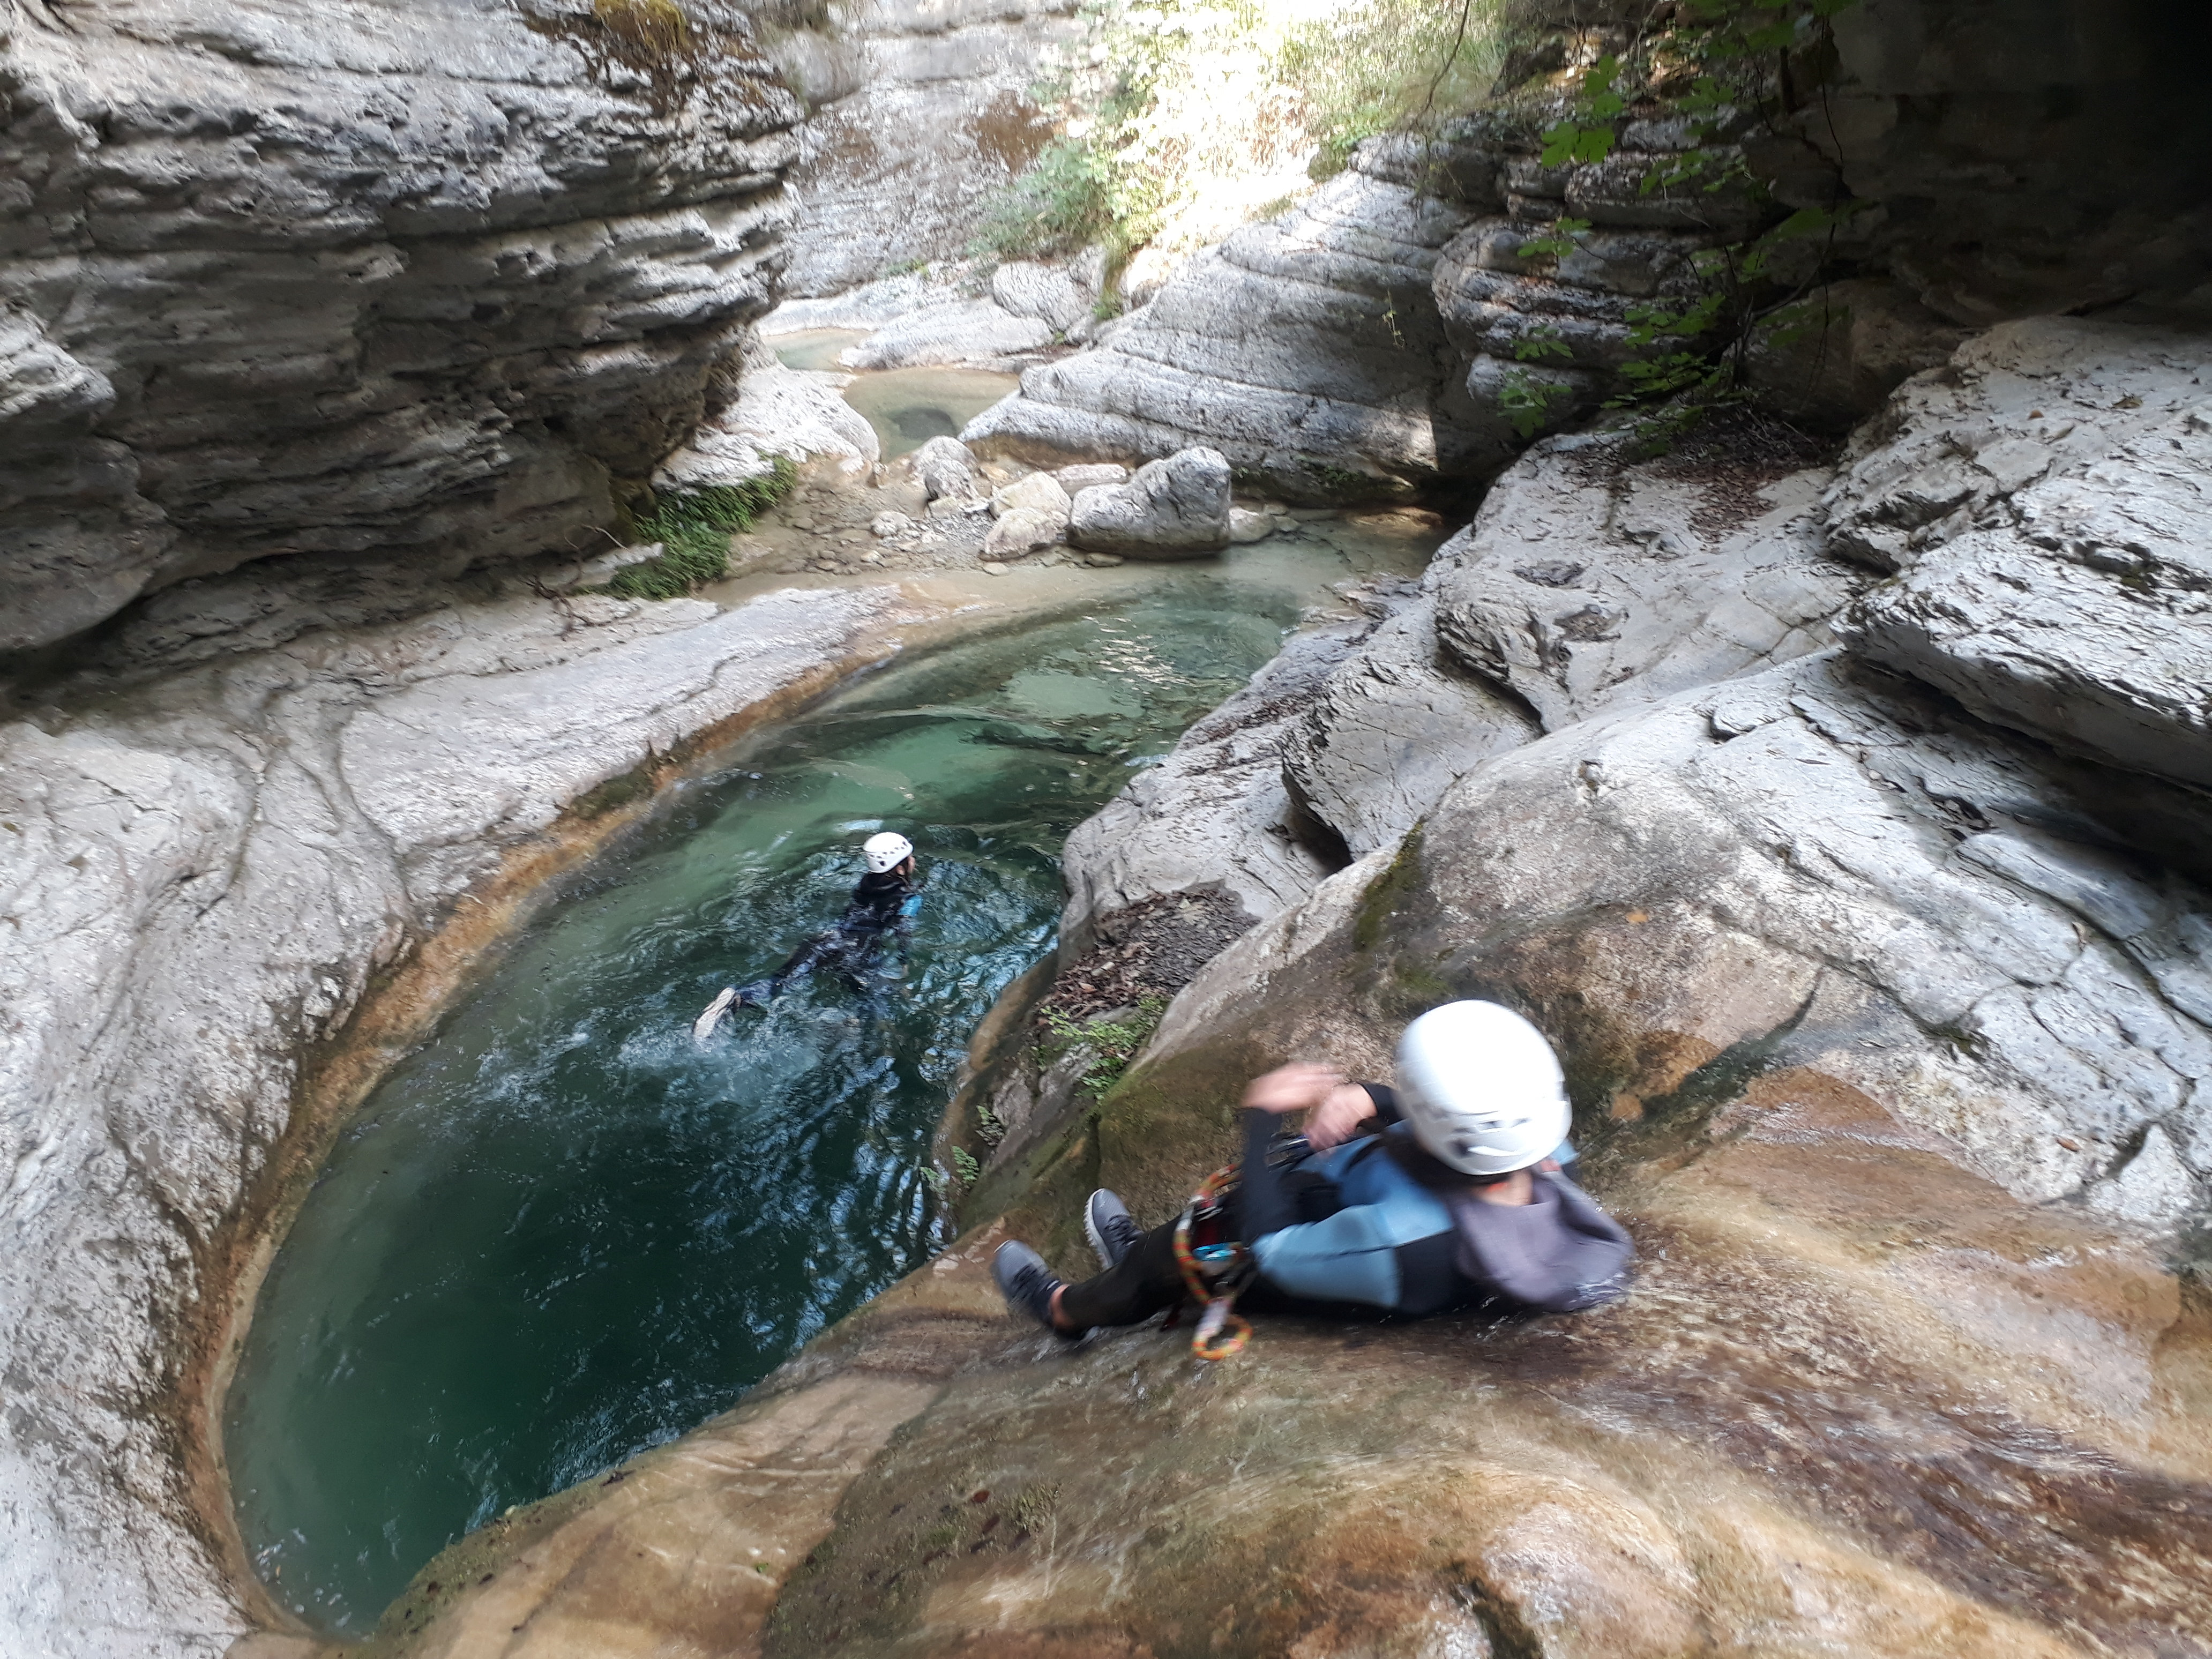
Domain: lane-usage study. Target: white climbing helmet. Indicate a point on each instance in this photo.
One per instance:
(1481, 1088)
(886, 851)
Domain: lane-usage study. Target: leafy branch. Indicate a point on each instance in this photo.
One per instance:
(1690, 354)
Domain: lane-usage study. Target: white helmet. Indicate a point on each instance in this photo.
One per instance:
(886, 851)
(1481, 1088)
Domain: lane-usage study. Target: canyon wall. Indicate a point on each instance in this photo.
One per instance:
(1986, 163)
(919, 110)
(1869, 800)
(376, 282)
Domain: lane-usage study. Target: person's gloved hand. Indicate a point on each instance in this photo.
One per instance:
(1296, 1088)
(1343, 1109)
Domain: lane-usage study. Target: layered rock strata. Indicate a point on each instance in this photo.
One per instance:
(1306, 349)
(1587, 581)
(204, 869)
(383, 283)
(2044, 504)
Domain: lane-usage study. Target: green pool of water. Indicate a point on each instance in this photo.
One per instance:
(908, 407)
(563, 1232)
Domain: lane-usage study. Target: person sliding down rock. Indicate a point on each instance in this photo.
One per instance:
(882, 907)
(1444, 1192)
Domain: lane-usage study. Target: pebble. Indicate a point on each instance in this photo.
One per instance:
(1103, 560)
(992, 568)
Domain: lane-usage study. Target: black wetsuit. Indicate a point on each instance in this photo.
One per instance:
(879, 909)
(1377, 1225)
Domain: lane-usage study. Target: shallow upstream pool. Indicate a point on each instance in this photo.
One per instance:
(908, 407)
(563, 1232)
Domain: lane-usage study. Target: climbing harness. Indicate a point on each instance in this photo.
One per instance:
(1219, 1270)
(1216, 1269)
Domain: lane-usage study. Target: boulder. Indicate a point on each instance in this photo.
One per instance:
(1176, 509)
(799, 414)
(1246, 526)
(945, 470)
(1045, 292)
(1307, 350)
(1039, 492)
(1020, 532)
(2044, 498)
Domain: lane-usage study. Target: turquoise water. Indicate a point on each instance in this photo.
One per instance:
(563, 1232)
(908, 407)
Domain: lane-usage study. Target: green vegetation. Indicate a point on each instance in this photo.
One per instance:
(1071, 195)
(1183, 118)
(1716, 63)
(1113, 1043)
(1387, 891)
(694, 530)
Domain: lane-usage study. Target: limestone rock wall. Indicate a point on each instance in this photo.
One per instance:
(368, 280)
(1306, 349)
(1994, 165)
(919, 110)
(2046, 504)
(203, 867)
(2024, 912)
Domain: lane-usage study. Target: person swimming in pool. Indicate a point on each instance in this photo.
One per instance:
(882, 907)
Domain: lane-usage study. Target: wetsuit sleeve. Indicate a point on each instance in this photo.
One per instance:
(1266, 1206)
(1385, 1106)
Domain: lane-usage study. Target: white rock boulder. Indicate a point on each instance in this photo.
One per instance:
(1045, 292)
(945, 470)
(1020, 532)
(1176, 508)
(1039, 492)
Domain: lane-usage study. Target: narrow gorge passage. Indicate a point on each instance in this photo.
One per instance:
(562, 1233)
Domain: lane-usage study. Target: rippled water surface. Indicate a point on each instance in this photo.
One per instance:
(562, 1232)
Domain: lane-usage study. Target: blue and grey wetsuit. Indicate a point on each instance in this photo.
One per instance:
(1355, 1227)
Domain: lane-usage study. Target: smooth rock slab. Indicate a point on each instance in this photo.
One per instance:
(1307, 350)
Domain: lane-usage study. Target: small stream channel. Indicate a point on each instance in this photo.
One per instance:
(560, 1232)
